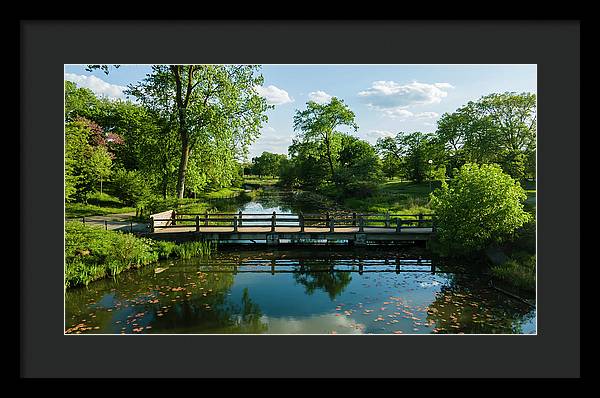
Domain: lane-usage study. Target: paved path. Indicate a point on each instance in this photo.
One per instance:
(117, 222)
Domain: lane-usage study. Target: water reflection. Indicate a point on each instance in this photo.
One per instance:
(315, 277)
(296, 292)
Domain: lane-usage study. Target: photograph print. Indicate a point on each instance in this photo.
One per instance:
(393, 199)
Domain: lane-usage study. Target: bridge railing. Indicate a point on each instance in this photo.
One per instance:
(330, 221)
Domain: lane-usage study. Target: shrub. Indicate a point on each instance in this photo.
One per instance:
(479, 206)
(130, 187)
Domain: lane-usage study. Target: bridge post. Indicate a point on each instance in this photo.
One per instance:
(432, 268)
(398, 224)
(301, 221)
(397, 265)
(354, 219)
(152, 224)
(197, 223)
(240, 218)
(331, 225)
(206, 218)
(105, 225)
(173, 216)
(327, 218)
(235, 224)
(420, 219)
(361, 224)
(387, 219)
(273, 222)
(360, 267)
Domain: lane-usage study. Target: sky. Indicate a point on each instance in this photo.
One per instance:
(386, 99)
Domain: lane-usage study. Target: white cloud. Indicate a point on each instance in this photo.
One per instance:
(389, 95)
(273, 95)
(97, 85)
(380, 133)
(320, 97)
(404, 114)
(271, 141)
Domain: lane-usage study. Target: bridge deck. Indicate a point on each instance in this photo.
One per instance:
(296, 229)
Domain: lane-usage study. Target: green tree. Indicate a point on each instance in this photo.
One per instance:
(131, 187)
(358, 161)
(79, 102)
(267, 164)
(489, 130)
(307, 167)
(318, 123)
(76, 145)
(218, 101)
(98, 165)
(479, 206)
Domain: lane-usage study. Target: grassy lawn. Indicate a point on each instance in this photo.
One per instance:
(395, 196)
(256, 181)
(98, 205)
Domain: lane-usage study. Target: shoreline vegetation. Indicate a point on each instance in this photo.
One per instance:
(92, 253)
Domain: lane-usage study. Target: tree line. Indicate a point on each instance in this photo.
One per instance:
(496, 129)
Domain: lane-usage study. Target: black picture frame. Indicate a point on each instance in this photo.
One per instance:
(45, 46)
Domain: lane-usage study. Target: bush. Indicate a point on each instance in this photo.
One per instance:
(131, 187)
(479, 206)
(359, 189)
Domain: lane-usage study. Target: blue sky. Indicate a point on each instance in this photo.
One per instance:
(386, 99)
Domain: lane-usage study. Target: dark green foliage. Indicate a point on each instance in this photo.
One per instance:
(357, 162)
(267, 164)
(409, 155)
(518, 272)
(131, 187)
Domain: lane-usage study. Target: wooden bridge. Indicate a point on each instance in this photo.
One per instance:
(350, 228)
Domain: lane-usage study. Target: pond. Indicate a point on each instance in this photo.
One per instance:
(302, 290)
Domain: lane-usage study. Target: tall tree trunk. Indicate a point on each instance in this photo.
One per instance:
(328, 145)
(185, 154)
(165, 181)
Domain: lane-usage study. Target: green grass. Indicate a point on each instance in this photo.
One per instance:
(98, 205)
(257, 181)
(93, 253)
(400, 197)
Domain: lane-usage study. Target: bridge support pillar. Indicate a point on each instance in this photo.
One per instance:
(272, 239)
(360, 239)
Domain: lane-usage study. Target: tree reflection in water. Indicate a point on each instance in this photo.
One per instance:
(318, 277)
(175, 303)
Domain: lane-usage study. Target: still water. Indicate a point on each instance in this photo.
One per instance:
(310, 290)
(294, 291)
